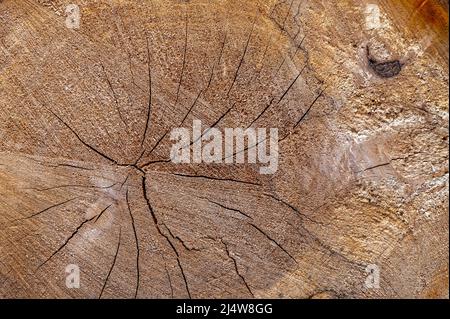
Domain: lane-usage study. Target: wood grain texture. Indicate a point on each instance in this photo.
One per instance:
(86, 178)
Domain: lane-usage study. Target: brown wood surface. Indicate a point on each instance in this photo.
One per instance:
(85, 176)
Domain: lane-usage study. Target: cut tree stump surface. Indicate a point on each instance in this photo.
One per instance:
(358, 91)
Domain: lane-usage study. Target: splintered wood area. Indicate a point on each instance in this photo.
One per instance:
(356, 89)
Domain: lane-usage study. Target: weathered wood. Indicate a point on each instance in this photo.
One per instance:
(357, 90)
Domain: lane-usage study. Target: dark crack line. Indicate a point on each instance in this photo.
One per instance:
(74, 166)
(158, 142)
(278, 3)
(83, 142)
(136, 167)
(220, 118)
(293, 209)
(137, 246)
(156, 162)
(123, 183)
(268, 106)
(263, 62)
(290, 86)
(190, 109)
(217, 62)
(101, 213)
(113, 263)
(149, 106)
(69, 185)
(236, 268)
(213, 125)
(127, 51)
(287, 53)
(280, 66)
(199, 138)
(168, 276)
(309, 108)
(299, 47)
(150, 208)
(180, 240)
(287, 15)
(216, 179)
(113, 94)
(45, 210)
(184, 61)
(58, 165)
(184, 277)
(158, 228)
(121, 40)
(296, 36)
(225, 207)
(247, 148)
(170, 282)
(302, 117)
(298, 10)
(139, 158)
(169, 242)
(66, 242)
(273, 241)
(327, 247)
(242, 59)
(261, 113)
(373, 167)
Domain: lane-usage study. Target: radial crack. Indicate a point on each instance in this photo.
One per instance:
(184, 277)
(158, 228)
(180, 240)
(101, 213)
(59, 165)
(309, 108)
(217, 62)
(220, 118)
(66, 241)
(168, 278)
(158, 142)
(190, 109)
(225, 207)
(83, 142)
(184, 61)
(327, 247)
(293, 209)
(149, 106)
(290, 86)
(261, 113)
(113, 263)
(70, 185)
(242, 58)
(216, 179)
(375, 166)
(236, 268)
(74, 166)
(287, 15)
(273, 241)
(213, 125)
(113, 94)
(137, 245)
(46, 209)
